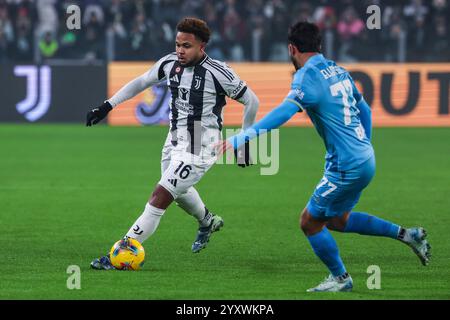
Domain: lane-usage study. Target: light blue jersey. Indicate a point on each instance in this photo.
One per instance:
(342, 118)
(329, 96)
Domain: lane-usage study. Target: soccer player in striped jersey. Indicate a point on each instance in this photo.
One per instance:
(342, 118)
(198, 86)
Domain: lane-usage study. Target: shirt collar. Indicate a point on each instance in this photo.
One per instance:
(314, 59)
(204, 59)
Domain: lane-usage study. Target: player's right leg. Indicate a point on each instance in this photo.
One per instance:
(148, 222)
(145, 225)
(320, 209)
(327, 251)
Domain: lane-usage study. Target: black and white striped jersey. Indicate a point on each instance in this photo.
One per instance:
(198, 92)
(197, 97)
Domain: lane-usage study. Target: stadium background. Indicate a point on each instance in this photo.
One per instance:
(403, 83)
(51, 76)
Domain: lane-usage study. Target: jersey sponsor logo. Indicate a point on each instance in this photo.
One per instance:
(184, 106)
(182, 102)
(178, 69)
(183, 94)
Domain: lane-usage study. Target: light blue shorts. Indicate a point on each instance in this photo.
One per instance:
(339, 191)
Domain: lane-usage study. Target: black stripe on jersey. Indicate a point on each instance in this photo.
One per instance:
(241, 93)
(214, 63)
(220, 101)
(161, 68)
(177, 69)
(194, 125)
(228, 72)
(208, 62)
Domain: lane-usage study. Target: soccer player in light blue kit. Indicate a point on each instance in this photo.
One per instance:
(327, 93)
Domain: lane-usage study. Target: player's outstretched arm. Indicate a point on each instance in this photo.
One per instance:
(98, 114)
(131, 89)
(251, 105)
(274, 119)
(236, 89)
(128, 91)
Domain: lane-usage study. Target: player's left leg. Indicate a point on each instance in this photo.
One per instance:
(366, 224)
(208, 222)
(190, 201)
(192, 204)
(354, 181)
(348, 221)
(183, 172)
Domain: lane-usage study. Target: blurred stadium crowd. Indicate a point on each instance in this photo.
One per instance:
(250, 30)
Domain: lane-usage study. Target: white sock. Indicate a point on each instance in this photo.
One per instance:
(146, 224)
(193, 205)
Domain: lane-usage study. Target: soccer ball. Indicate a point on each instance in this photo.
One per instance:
(127, 254)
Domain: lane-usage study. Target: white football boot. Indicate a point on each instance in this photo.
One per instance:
(415, 238)
(334, 284)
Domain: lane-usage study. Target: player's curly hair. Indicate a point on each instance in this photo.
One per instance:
(305, 36)
(197, 27)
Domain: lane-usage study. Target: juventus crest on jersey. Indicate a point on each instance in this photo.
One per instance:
(197, 96)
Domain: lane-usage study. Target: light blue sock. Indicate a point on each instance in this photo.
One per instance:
(326, 249)
(363, 223)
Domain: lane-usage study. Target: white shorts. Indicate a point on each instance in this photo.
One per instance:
(181, 169)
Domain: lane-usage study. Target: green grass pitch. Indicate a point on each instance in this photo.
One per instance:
(67, 193)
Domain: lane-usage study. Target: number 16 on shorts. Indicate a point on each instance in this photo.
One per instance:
(326, 187)
(180, 176)
(183, 170)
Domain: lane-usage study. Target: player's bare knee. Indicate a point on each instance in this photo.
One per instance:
(304, 221)
(333, 225)
(160, 198)
(338, 223)
(309, 224)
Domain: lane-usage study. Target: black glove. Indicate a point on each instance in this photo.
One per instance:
(242, 155)
(98, 114)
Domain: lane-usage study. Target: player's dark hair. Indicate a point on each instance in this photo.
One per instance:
(195, 26)
(305, 37)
